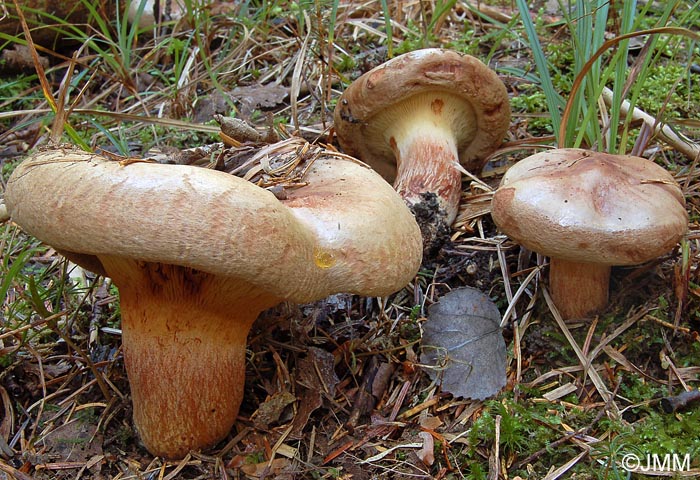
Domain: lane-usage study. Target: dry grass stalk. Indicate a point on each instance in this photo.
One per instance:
(686, 146)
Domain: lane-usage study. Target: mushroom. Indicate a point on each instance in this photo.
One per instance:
(149, 13)
(4, 216)
(419, 120)
(197, 254)
(588, 211)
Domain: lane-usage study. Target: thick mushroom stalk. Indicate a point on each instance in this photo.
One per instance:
(588, 211)
(184, 341)
(423, 131)
(420, 120)
(578, 288)
(197, 254)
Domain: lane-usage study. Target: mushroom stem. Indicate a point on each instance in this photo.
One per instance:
(184, 352)
(428, 177)
(427, 163)
(578, 288)
(429, 182)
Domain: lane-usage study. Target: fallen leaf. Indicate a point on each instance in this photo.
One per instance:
(271, 410)
(462, 346)
(254, 97)
(264, 469)
(316, 377)
(75, 441)
(317, 371)
(430, 422)
(18, 59)
(207, 106)
(426, 453)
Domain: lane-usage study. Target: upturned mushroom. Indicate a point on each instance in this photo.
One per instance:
(419, 120)
(197, 254)
(588, 211)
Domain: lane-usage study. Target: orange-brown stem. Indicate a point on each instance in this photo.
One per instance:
(429, 165)
(184, 337)
(578, 289)
(428, 180)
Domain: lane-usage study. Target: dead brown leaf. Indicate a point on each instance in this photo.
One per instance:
(258, 97)
(317, 378)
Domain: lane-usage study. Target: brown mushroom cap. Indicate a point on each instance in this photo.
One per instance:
(197, 254)
(221, 224)
(584, 206)
(477, 106)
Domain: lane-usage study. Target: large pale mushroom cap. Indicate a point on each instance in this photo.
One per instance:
(472, 98)
(583, 206)
(346, 231)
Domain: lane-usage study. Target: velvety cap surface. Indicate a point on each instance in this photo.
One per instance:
(584, 206)
(346, 230)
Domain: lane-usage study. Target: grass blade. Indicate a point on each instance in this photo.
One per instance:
(388, 28)
(554, 100)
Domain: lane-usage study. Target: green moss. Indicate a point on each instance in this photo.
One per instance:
(661, 433)
(525, 427)
(670, 89)
(531, 101)
(345, 63)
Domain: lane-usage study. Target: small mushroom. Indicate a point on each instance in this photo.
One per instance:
(4, 216)
(153, 12)
(588, 211)
(419, 120)
(197, 254)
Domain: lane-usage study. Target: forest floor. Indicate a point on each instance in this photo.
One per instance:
(582, 399)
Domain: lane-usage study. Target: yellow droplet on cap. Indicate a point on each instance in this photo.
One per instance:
(323, 258)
